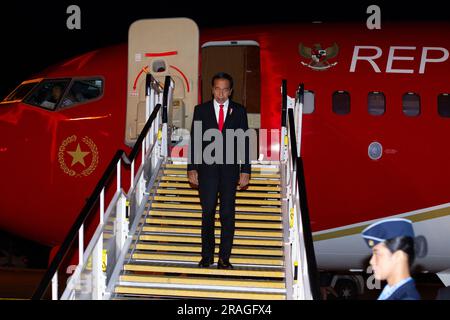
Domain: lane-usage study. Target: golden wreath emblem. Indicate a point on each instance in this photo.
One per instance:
(78, 158)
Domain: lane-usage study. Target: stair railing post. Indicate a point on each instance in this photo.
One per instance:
(166, 111)
(158, 129)
(149, 106)
(55, 286)
(132, 173)
(81, 246)
(122, 225)
(298, 110)
(284, 134)
(140, 187)
(98, 278)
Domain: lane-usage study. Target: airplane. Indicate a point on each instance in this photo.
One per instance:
(375, 120)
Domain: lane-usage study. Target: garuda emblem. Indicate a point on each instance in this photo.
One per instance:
(318, 57)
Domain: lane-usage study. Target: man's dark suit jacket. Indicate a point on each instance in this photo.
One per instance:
(219, 178)
(236, 119)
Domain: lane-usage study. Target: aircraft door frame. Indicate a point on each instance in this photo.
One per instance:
(246, 73)
(162, 47)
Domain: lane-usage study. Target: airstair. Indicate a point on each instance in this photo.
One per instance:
(163, 262)
(147, 243)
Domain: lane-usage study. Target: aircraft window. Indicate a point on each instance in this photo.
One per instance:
(376, 103)
(159, 66)
(82, 91)
(411, 104)
(48, 93)
(20, 92)
(308, 103)
(341, 102)
(444, 105)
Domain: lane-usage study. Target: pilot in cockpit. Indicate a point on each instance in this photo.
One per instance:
(52, 101)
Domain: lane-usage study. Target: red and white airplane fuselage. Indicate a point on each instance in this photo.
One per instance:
(347, 189)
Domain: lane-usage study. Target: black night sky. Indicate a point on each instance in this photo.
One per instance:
(33, 35)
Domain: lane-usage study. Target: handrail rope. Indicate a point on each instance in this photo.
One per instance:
(165, 98)
(73, 232)
(137, 145)
(92, 200)
(301, 189)
(284, 103)
(304, 209)
(164, 117)
(134, 242)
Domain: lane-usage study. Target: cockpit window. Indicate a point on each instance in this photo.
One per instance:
(21, 91)
(82, 91)
(48, 94)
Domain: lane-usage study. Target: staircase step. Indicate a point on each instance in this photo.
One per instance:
(192, 239)
(197, 281)
(163, 263)
(252, 181)
(241, 194)
(196, 248)
(198, 230)
(238, 201)
(235, 259)
(188, 186)
(194, 293)
(162, 205)
(255, 168)
(198, 215)
(171, 221)
(194, 269)
(259, 174)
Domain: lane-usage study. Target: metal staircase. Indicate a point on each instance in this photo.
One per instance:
(163, 261)
(147, 242)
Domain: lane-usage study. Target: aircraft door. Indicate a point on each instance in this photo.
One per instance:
(241, 59)
(162, 47)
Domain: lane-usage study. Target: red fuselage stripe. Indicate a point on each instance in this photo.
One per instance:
(161, 54)
(184, 76)
(137, 78)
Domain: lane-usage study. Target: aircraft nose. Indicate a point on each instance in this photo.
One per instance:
(8, 139)
(9, 119)
(9, 114)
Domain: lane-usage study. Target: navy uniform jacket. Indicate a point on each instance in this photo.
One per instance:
(443, 294)
(407, 291)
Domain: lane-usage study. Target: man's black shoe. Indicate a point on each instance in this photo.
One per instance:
(224, 264)
(205, 263)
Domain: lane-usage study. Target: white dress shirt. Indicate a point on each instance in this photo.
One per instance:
(217, 110)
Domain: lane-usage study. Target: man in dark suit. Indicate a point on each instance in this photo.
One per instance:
(220, 176)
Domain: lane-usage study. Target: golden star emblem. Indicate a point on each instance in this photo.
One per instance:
(78, 156)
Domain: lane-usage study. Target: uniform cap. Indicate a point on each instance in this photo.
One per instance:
(387, 229)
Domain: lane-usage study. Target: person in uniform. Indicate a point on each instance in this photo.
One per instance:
(392, 244)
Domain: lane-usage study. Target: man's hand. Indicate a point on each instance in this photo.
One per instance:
(244, 179)
(193, 177)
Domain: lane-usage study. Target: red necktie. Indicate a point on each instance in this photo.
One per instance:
(221, 117)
